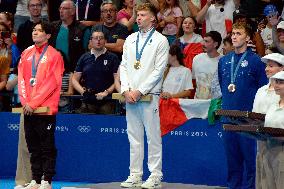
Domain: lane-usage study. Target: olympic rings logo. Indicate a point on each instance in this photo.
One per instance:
(84, 129)
(13, 126)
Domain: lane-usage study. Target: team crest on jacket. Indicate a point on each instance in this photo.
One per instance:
(244, 63)
(105, 62)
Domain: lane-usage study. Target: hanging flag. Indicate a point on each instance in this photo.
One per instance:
(174, 112)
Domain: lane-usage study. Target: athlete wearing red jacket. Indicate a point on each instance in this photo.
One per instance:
(39, 80)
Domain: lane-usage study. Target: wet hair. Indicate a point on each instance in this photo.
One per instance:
(46, 27)
(176, 50)
(244, 26)
(216, 36)
(148, 7)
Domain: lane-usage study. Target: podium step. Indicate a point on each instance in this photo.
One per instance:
(116, 185)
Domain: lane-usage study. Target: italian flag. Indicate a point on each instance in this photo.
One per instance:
(175, 112)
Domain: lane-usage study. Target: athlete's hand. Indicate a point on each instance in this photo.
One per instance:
(27, 110)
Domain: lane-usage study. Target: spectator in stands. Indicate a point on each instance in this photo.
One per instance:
(277, 33)
(187, 33)
(177, 78)
(126, 16)
(22, 15)
(24, 32)
(256, 43)
(228, 44)
(70, 37)
(5, 54)
(218, 15)
(8, 19)
(88, 11)
(40, 87)
(205, 65)
(94, 77)
(240, 74)
(170, 19)
(141, 73)
(115, 32)
(215, 86)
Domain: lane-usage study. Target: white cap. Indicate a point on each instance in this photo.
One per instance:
(279, 75)
(279, 58)
(280, 25)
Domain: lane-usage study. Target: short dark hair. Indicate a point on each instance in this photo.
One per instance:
(98, 30)
(228, 39)
(46, 27)
(216, 36)
(176, 50)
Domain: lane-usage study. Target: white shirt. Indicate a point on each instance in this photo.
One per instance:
(264, 98)
(177, 80)
(275, 116)
(196, 38)
(215, 19)
(203, 69)
(148, 78)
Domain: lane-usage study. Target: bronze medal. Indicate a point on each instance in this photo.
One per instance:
(232, 88)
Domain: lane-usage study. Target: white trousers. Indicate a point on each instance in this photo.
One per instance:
(139, 116)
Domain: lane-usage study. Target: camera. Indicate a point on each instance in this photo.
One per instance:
(5, 34)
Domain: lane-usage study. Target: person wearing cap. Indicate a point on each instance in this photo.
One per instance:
(39, 83)
(264, 97)
(144, 60)
(241, 73)
(273, 156)
(277, 32)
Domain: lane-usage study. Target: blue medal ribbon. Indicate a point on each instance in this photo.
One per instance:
(139, 54)
(35, 66)
(234, 73)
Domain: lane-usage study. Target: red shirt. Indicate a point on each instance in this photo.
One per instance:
(46, 91)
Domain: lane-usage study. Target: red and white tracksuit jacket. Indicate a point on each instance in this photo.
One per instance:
(49, 73)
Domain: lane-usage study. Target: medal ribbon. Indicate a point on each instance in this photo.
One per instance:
(34, 67)
(86, 10)
(139, 54)
(234, 73)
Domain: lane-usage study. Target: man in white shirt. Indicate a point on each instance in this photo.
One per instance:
(205, 65)
(145, 56)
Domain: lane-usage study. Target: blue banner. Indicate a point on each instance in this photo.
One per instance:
(95, 148)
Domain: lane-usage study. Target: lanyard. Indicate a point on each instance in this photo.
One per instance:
(139, 54)
(234, 73)
(34, 67)
(86, 10)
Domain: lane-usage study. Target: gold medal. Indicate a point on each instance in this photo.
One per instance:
(137, 65)
(232, 88)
